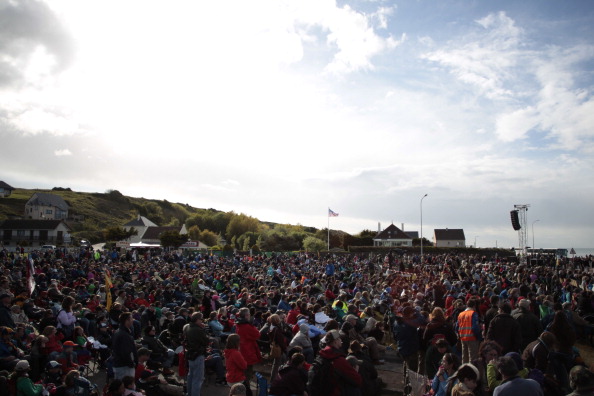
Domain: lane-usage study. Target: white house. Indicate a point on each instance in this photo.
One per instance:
(34, 232)
(43, 206)
(149, 232)
(392, 236)
(449, 238)
(140, 224)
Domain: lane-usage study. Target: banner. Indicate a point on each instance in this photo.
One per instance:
(30, 278)
(108, 286)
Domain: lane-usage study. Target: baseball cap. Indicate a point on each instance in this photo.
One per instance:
(53, 364)
(332, 335)
(69, 344)
(22, 365)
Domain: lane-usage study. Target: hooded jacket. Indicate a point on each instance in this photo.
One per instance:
(248, 342)
(236, 365)
(343, 371)
(301, 338)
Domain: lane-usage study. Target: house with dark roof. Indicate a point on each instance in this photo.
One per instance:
(140, 224)
(149, 232)
(392, 236)
(44, 206)
(5, 189)
(449, 237)
(34, 233)
(152, 234)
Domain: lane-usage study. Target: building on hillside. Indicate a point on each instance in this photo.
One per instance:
(449, 238)
(5, 189)
(392, 236)
(149, 232)
(152, 234)
(34, 233)
(140, 224)
(44, 206)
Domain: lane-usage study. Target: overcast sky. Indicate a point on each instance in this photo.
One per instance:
(281, 109)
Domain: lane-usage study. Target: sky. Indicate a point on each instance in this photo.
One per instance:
(282, 109)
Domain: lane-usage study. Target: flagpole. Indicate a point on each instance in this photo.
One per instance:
(328, 214)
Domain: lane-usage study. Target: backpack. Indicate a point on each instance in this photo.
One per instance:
(319, 377)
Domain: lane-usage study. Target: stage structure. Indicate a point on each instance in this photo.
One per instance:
(521, 217)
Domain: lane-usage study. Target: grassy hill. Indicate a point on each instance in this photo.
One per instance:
(98, 211)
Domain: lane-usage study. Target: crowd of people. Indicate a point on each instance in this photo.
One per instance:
(471, 324)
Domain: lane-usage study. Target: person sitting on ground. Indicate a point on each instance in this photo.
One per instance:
(24, 385)
(53, 373)
(449, 365)
(130, 387)
(149, 381)
(464, 382)
(434, 356)
(68, 358)
(160, 352)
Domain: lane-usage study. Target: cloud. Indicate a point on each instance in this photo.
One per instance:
(356, 41)
(36, 119)
(532, 86)
(62, 153)
(516, 124)
(33, 42)
(485, 58)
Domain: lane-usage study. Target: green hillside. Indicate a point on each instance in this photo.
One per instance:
(92, 213)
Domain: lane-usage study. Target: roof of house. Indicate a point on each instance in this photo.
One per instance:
(31, 224)
(140, 221)
(6, 186)
(153, 233)
(45, 199)
(412, 234)
(449, 234)
(392, 232)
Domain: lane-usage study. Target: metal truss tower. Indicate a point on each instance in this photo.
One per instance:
(522, 233)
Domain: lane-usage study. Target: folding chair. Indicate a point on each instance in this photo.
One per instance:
(262, 385)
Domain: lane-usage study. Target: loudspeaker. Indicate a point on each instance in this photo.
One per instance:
(515, 220)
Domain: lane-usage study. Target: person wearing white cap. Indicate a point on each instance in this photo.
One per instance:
(24, 384)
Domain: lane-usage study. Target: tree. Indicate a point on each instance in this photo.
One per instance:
(417, 242)
(240, 224)
(118, 233)
(278, 240)
(246, 245)
(313, 244)
(194, 233)
(172, 239)
(208, 237)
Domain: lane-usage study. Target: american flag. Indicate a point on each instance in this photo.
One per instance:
(331, 213)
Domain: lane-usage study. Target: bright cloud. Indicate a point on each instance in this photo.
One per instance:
(62, 152)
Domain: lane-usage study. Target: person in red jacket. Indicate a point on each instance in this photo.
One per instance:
(293, 313)
(344, 372)
(248, 341)
(236, 364)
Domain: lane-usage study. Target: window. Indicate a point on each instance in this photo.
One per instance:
(48, 211)
(20, 233)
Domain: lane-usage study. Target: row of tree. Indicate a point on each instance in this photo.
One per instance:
(228, 230)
